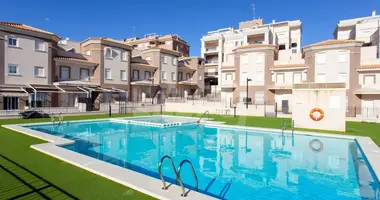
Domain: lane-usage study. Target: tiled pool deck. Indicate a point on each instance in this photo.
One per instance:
(153, 186)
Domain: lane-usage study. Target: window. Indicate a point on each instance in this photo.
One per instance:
(180, 76)
(163, 75)
(107, 74)
(281, 47)
(148, 75)
(40, 46)
(321, 78)
(260, 58)
(236, 43)
(342, 77)
(108, 53)
(64, 73)
(243, 77)
(173, 92)
(173, 76)
(168, 42)
(200, 77)
(228, 76)
(280, 78)
(124, 56)
(244, 59)
(294, 45)
(174, 61)
(259, 76)
(259, 97)
(342, 58)
(123, 75)
(188, 76)
(147, 59)
(297, 77)
(294, 50)
(140, 45)
(369, 80)
(88, 52)
(165, 59)
(39, 71)
(321, 58)
(13, 42)
(241, 43)
(84, 74)
(12, 69)
(136, 74)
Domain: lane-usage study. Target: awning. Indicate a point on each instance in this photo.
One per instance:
(367, 91)
(99, 89)
(43, 88)
(7, 90)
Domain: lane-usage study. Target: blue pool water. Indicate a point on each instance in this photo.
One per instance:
(231, 163)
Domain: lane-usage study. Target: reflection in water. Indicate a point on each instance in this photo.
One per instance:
(232, 164)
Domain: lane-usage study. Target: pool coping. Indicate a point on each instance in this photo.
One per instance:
(152, 186)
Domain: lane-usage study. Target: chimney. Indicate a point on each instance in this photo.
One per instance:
(373, 13)
(273, 21)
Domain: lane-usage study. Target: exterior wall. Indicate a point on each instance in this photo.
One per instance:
(369, 55)
(97, 55)
(331, 68)
(116, 65)
(169, 68)
(253, 89)
(30, 58)
(365, 31)
(74, 71)
(254, 68)
(376, 74)
(344, 33)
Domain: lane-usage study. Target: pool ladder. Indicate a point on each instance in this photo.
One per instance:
(208, 116)
(60, 118)
(177, 173)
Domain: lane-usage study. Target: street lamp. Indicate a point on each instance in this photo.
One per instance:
(246, 99)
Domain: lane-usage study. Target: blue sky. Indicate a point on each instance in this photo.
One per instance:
(120, 19)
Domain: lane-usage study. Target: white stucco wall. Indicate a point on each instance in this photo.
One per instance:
(331, 101)
(332, 68)
(376, 76)
(26, 57)
(116, 64)
(254, 68)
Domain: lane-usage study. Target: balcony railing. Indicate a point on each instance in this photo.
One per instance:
(211, 62)
(211, 48)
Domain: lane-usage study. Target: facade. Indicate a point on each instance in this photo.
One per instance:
(41, 70)
(170, 42)
(218, 46)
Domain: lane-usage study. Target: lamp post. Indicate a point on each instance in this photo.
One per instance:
(246, 99)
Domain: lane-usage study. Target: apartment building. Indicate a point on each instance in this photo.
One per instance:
(218, 47)
(170, 42)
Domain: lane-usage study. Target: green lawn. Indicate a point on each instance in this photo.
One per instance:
(31, 174)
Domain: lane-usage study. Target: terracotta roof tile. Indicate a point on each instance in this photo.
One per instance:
(74, 59)
(255, 45)
(332, 42)
(107, 39)
(289, 65)
(372, 66)
(25, 27)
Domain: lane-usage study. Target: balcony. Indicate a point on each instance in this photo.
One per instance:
(281, 86)
(211, 50)
(211, 62)
(142, 81)
(228, 84)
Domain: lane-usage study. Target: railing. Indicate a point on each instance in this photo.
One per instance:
(208, 49)
(192, 170)
(178, 179)
(208, 116)
(177, 173)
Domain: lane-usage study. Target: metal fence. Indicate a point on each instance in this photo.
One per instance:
(363, 112)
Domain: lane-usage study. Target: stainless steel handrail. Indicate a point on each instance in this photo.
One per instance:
(60, 118)
(283, 127)
(52, 118)
(292, 127)
(208, 116)
(178, 178)
(194, 174)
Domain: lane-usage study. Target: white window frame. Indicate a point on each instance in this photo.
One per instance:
(259, 76)
(165, 59)
(174, 61)
(36, 45)
(342, 59)
(319, 56)
(163, 75)
(374, 79)
(105, 52)
(147, 73)
(200, 77)
(283, 78)
(43, 71)
(294, 75)
(110, 74)
(148, 59)
(88, 52)
(124, 56)
(243, 80)
(68, 71)
(340, 75)
(317, 80)
(259, 95)
(136, 74)
(17, 70)
(81, 74)
(123, 75)
(174, 76)
(15, 39)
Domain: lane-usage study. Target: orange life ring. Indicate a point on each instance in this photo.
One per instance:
(316, 149)
(321, 114)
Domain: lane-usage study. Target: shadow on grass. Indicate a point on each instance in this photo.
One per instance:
(18, 182)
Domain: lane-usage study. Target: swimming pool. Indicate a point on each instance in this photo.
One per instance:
(230, 163)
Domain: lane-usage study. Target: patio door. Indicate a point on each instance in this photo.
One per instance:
(11, 103)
